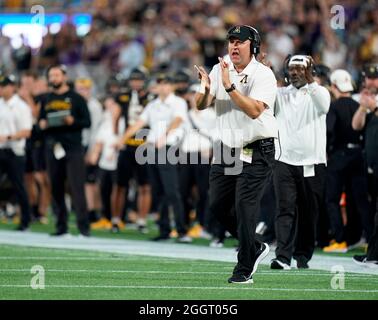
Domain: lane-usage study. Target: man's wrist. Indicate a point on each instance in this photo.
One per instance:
(230, 88)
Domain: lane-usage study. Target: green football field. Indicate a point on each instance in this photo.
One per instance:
(76, 274)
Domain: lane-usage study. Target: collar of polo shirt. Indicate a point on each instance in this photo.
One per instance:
(247, 70)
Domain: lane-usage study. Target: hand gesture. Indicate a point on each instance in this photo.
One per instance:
(367, 99)
(203, 77)
(309, 69)
(225, 73)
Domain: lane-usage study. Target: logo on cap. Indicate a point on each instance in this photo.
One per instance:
(237, 30)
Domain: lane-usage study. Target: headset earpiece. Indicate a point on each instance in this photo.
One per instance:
(256, 40)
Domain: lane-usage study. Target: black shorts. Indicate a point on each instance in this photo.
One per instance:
(91, 173)
(38, 155)
(128, 168)
(29, 165)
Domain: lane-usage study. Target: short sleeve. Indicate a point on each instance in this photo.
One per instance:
(264, 87)
(24, 118)
(214, 80)
(181, 109)
(145, 115)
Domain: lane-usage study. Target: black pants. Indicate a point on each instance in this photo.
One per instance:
(347, 171)
(298, 203)
(107, 181)
(267, 212)
(165, 181)
(243, 192)
(71, 167)
(372, 251)
(14, 167)
(195, 175)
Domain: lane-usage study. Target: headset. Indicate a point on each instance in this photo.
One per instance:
(254, 38)
(255, 41)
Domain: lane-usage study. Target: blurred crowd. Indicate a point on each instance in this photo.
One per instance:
(178, 34)
(138, 40)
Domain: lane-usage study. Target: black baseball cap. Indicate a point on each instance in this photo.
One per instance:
(242, 33)
(137, 74)
(164, 77)
(7, 79)
(370, 70)
(181, 76)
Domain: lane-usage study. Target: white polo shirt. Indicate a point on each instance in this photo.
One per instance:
(106, 136)
(235, 128)
(95, 112)
(301, 116)
(158, 115)
(15, 115)
(200, 138)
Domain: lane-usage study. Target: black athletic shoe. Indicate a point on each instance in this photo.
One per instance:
(161, 238)
(279, 265)
(302, 263)
(22, 228)
(363, 261)
(60, 234)
(240, 278)
(84, 234)
(261, 253)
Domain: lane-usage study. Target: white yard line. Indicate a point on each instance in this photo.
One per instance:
(270, 273)
(235, 287)
(166, 250)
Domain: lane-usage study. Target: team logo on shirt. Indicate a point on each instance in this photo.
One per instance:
(244, 80)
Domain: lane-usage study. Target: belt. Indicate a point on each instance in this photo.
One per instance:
(353, 146)
(260, 144)
(265, 145)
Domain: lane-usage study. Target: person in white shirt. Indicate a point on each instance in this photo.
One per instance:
(244, 91)
(166, 117)
(105, 156)
(194, 168)
(84, 87)
(299, 175)
(15, 127)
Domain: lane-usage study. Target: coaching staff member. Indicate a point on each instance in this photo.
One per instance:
(244, 92)
(64, 114)
(300, 172)
(15, 128)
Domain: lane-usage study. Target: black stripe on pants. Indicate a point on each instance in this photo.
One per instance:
(298, 202)
(14, 167)
(71, 166)
(242, 192)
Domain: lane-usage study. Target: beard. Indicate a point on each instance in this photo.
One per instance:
(55, 86)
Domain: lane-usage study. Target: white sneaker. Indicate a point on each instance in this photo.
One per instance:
(216, 244)
(184, 239)
(261, 253)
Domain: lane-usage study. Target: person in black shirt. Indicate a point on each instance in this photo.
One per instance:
(346, 170)
(366, 117)
(131, 103)
(64, 113)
